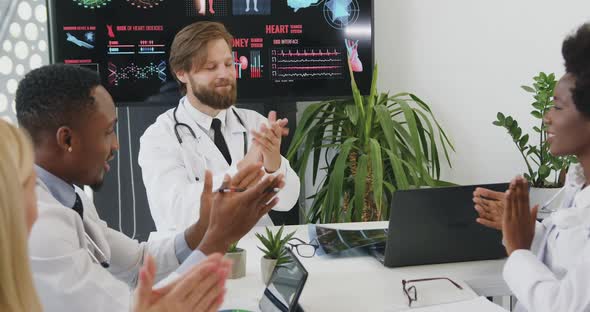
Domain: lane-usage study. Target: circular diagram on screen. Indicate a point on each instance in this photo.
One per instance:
(341, 13)
(145, 4)
(92, 4)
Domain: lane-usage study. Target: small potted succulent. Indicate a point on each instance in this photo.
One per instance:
(238, 256)
(274, 251)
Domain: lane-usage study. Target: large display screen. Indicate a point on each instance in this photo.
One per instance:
(296, 49)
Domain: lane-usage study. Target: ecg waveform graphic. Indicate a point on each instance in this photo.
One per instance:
(310, 75)
(310, 60)
(307, 63)
(132, 72)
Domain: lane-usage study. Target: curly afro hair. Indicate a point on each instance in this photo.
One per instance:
(576, 52)
(53, 96)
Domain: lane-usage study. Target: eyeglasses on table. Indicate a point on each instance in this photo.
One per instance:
(303, 249)
(411, 291)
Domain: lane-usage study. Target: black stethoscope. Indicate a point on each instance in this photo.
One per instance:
(182, 124)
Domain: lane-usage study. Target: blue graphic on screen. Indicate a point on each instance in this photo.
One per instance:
(251, 7)
(341, 13)
(89, 36)
(301, 4)
(339, 9)
(132, 72)
(71, 38)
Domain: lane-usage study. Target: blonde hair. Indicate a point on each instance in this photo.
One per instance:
(17, 292)
(189, 47)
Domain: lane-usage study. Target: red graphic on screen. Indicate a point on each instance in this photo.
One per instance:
(353, 56)
(202, 6)
(110, 29)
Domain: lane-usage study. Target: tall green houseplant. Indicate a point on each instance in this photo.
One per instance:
(379, 143)
(543, 169)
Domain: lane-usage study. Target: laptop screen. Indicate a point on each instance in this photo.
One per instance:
(437, 225)
(284, 287)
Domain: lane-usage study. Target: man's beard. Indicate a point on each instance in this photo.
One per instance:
(214, 99)
(97, 186)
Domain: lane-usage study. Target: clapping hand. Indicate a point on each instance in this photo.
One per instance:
(200, 289)
(233, 214)
(490, 207)
(248, 177)
(268, 140)
(518, 221)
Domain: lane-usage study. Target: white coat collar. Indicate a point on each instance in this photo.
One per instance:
(228, 118)
(202, 119)
(60, 189)
(90, 225)
(579, 213)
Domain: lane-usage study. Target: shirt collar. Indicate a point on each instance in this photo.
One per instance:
(202, 119)
(60, 189)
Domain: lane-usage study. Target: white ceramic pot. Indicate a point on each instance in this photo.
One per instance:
(239, 263)
(266, 268)
(540, 196)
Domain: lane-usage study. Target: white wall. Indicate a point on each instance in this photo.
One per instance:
(468, 59)
(23, 47)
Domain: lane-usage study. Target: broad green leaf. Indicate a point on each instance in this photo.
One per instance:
(544, 172)
(412, 126)
(337, 180)
(398, 170)
(423, 105)
(352, 113)
(360, 183)
(303, 126)
(509, 121)
(377, 166)
(523, 141)
(537, 114)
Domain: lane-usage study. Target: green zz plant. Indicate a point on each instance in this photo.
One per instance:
(543, 169)
(274, 245)
(372, 145)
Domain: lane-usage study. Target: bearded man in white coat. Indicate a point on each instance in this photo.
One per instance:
(206, 132)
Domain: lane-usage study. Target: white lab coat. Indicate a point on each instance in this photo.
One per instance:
(555, 274)
(173, 174)
(67, 278)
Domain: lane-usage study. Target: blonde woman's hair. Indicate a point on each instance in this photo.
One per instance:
(17, 292)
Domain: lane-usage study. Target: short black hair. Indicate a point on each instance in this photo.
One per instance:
(576, 52)
(53, 96)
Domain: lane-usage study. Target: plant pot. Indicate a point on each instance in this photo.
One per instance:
(266, 267)
(238, 269)
(540, 196)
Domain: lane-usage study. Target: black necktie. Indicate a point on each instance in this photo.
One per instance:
(78, 207)
(219, 140)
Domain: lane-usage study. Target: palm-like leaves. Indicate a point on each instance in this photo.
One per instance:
(381, 143)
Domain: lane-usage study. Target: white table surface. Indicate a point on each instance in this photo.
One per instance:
(355, 283)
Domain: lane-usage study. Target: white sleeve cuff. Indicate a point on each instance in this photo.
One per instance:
(282, 168)
(195, 258)
(523, 272)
